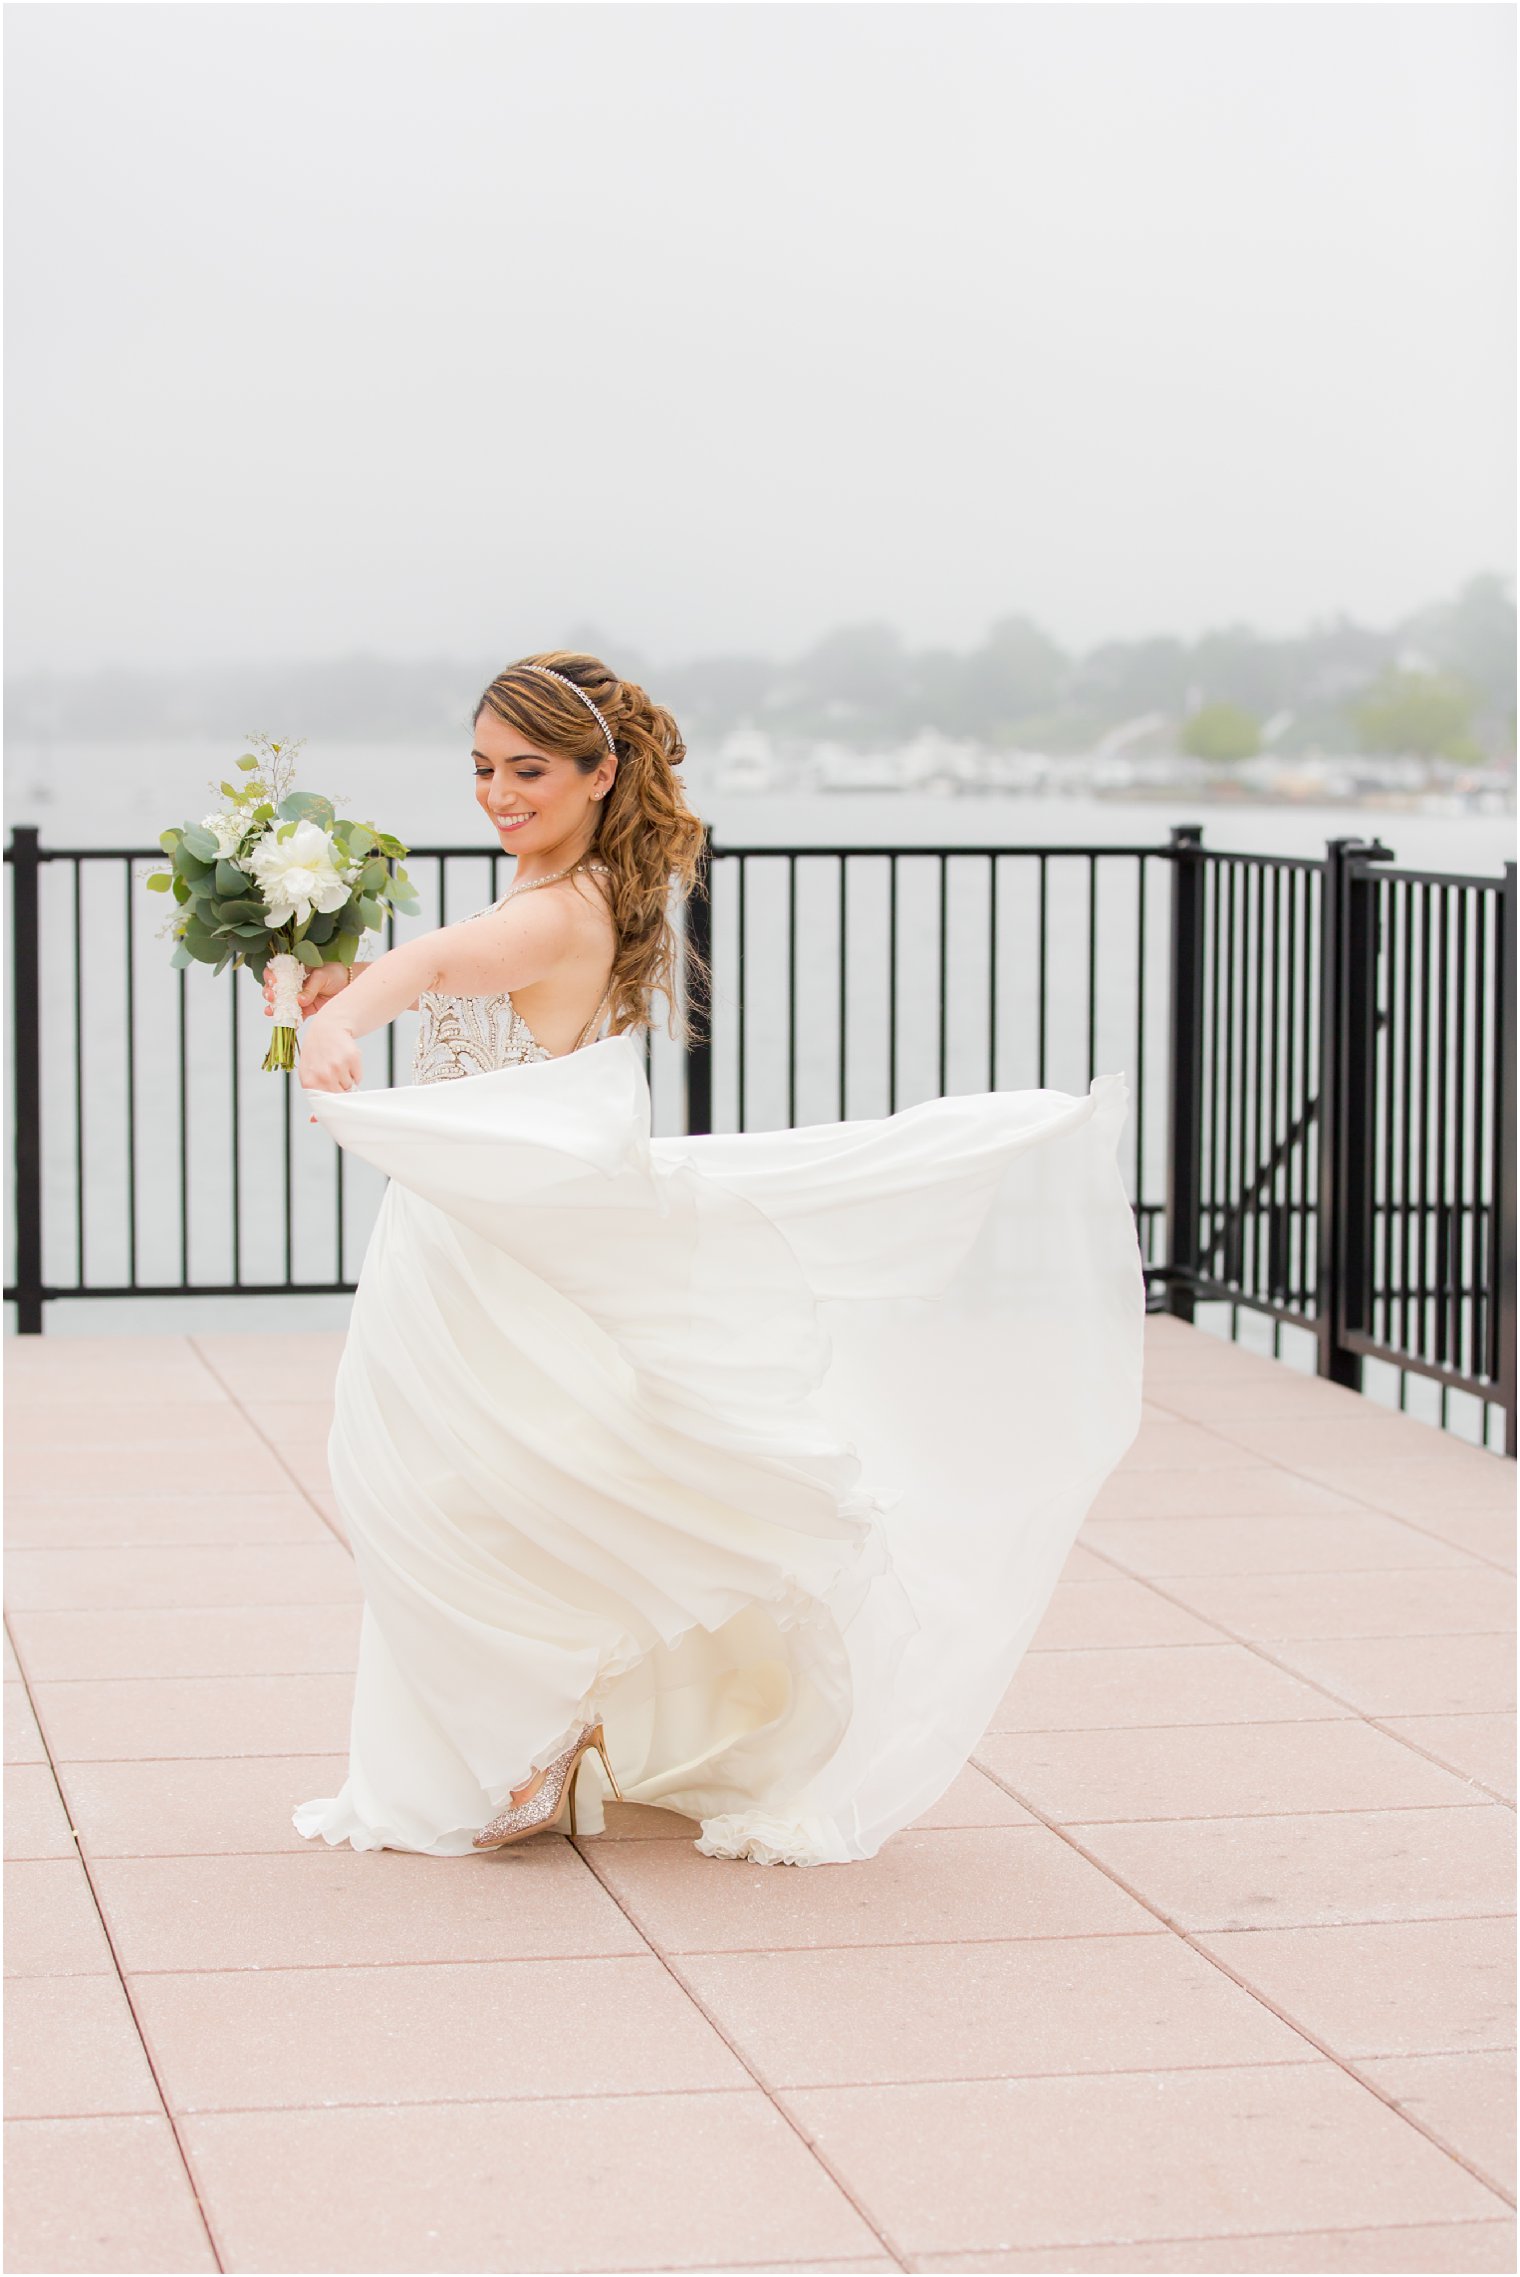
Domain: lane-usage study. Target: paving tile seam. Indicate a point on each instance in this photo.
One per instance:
(115, 1974)
(1212, 1818)
(747, 2087)
(1260, 1647)
(1384, 1724)
(786, 2117)
(1193, 1939)
(195, 1676)
(931, 2261)
(299, 1484)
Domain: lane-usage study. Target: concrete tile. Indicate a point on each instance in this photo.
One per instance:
(42, 1471)
(124, 1423)
(1476, 1485)
(1419, 2250)
(1218, 1398)
(1385, 1988)
(966, 1884)
(913, 2012)
(1263, 1492)
(972, 1800)
(1390, 1676)
(1364, 1542)
(341, 1906)
(100, 2194)
(327, 1507)
(643, 2182)
(169, 1641)
(77, 1581)
(36, 1823)
(1216, 2151)
(1180, 1446)
(1319, 1447)
(1467, 2102)
(1475, 1747)
(197, 1715)
(52, 1927)
(1185, 1684)
(273, 2039)
(161, 1521)
(72, 2050)
(309, 1356)
(1415, 1604)
(291, 1422)
(640, 1822)
(1081, 1565)
(1083, 1615)
(1486, 1534)
(1324, 1868)
(23, 1740)
(306, 1461)
(197, 1806)
(1214, 1770)
(12, 1664)
(64, 1370)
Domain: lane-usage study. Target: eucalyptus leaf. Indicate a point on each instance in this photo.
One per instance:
(372, 877)
(348, 948)
(247, 763)
(201, 844)
(159, 881)
(169, 839)
(309, 953)
(181, 958)
(231, 882)
(371, 912)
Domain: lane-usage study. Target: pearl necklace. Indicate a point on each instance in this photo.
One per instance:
(529, 883)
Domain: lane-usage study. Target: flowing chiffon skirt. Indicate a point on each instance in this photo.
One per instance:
(766, 1449)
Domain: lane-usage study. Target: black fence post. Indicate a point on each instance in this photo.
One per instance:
(1502, 1258)
(1347, 1092)
(696, 1008)
(1184, 1132)
(26, 865)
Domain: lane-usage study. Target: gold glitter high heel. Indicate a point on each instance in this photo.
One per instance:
(542, 1809)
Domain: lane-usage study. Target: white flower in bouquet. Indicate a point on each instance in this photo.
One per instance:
(298, 875)
(229, 831)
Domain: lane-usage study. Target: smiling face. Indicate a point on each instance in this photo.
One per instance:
(539, 803)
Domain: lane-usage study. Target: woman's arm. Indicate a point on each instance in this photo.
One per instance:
(498, 949)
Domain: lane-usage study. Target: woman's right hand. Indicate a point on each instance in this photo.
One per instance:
(320, 983)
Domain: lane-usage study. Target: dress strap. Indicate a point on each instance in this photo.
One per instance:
(596, 1015)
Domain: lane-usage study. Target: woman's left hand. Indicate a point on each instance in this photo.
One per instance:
(330, 1059)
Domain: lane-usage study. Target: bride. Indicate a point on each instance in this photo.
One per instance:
(730, 1473)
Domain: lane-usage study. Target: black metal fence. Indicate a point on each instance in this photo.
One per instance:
(1320, 1056)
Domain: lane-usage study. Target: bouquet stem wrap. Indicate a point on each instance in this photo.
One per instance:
(288, 973)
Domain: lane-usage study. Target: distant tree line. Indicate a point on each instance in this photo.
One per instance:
(1439, 684)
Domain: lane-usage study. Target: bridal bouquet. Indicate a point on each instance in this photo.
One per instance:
(277, 879)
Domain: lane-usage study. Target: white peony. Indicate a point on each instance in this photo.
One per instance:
(297, 875)
(226, 829)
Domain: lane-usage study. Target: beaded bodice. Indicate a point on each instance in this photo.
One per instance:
(468, 1035)
(471, 1035)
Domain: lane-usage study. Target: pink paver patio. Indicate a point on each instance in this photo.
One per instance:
(1203, 1965)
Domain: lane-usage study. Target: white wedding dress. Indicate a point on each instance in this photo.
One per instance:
(767, 1449)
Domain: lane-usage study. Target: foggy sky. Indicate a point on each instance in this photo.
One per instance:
(456, 328)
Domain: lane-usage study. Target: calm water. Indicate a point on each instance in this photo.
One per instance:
(122, 795)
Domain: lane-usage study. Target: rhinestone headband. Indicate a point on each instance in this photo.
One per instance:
(575, 691)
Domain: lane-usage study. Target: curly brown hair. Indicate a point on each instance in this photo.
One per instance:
(645, 832)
